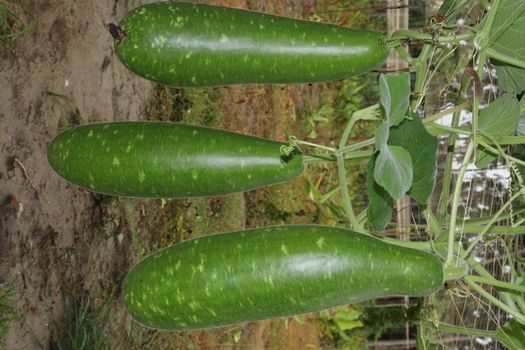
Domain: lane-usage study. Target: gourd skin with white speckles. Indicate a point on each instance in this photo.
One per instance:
(156, 159)
(183, 44)
(223, 279)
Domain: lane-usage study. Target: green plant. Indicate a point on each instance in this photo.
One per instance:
(236, 277)
(11, 26)
(140, 159)
(184, 44)
(7, 312)
(82, 328)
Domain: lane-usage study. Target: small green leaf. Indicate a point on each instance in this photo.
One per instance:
(394, 94)
(500, 118)
(512, 335)
(379, 210)
(237, 336)
(348, 319)
(393, 170)
(412, 136)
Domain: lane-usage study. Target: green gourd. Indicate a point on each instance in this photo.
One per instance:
(185, 44)
(235, 277)
(169, 160)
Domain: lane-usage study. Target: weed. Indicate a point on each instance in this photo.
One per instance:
(83, 325)
(7, 311)
(11, 25)
(191, 106)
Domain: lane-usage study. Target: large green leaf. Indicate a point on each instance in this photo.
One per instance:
(512, 335)
(393, 170)
(510, 79)
(394, 94)
(379, 211)
(412, 136)
(500, 118)
(508, 12)
(506, 37)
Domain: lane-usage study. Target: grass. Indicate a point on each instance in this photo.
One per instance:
(11, 25)
(82, 328)
(7, 311)
(198, 106)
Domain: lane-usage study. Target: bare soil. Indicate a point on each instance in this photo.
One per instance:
(53, 236)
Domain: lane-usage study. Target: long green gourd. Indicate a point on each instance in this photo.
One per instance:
(184, 44)
(168, 160)
(235, 277)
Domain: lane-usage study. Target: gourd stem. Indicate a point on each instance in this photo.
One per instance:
(315, 145)
(411, 34)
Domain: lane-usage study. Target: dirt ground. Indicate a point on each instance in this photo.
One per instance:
(63, 72)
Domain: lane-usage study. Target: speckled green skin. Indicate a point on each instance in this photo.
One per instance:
(235, 277)
(182, 44)
(155, 159)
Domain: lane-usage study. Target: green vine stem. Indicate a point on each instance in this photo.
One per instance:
(421, 70)
(320, 159)
(501, 153)
(411, 34)
(455, 204)
(494, 301)
(487, 227)
(476, 266)
(502, 230)
(446, 112)
(311, 144)
(473, 332)
(505, 58)
(485, 219)
(368, 113)
(455, 272)
(499, 284)
(341, 171)
(355, 146)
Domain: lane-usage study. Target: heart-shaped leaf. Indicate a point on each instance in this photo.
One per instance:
(500, 118)
(394, 95)
(393, 170)
(412, 135)
(379, 210)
